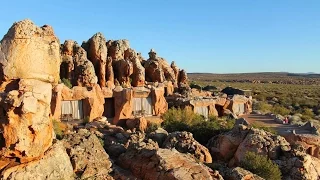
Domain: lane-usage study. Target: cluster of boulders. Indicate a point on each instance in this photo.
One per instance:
(294, 162)
(111, 63)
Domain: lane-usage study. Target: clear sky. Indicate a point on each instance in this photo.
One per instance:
(217, 36)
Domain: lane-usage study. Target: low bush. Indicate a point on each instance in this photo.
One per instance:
(187, 120)
(67, 83)
(263, 106)
(278, 109)
(261, 165)
(59, 128)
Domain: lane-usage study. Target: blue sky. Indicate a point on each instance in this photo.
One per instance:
(217, 36)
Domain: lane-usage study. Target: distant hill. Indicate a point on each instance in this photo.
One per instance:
(259, 77)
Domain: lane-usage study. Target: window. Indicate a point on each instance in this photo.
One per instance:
(71, 110)
(202, 110)
(142, 106)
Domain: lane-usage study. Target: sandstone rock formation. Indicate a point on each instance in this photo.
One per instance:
(146, 161)
(158, 69)
(183, 78)
(97, 53)
(299, 165)
(138, 75)
(309, 142)
(224, 146)
(30, 52)
(241, 174)
(176, 71)
(185, 143)
(82, 73)
(55, 164)
(117, 48)
(88, 158)
(30, 64)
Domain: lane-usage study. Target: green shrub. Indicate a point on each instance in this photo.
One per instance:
(67, 83)
(185, 116)
(278, 109)
(59, 128)
(187, 120)
(205, 130)
(263, 106)
(152, 127)
(195, 86)
(86, 120)
(261, 165)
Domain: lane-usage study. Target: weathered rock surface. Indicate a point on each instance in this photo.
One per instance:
(224, 146)
(55, 164)
(27, 129)
(299, 166)
(88, 158)
(97, 53)
(262, 142)
(309, 142)
(146, 161)
(30, 52)
(117, 48)
(241, 174)
(159, 136)
(138, 75)
(185, 143)
(139, 123)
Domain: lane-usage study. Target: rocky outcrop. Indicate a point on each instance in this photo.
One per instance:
(55, 164)
(309, 142)
(138, 75)
(241, 174)
(30, 52)
(88, 158)
(117, 48)
(262, 142)
(159, 102)
(183, 78)
(185, 143)
(176, 71)
(97, 53)
(298, 165)
(146, 161)
(81, 71)
(224, 146)
(31, 55)
(157, 69)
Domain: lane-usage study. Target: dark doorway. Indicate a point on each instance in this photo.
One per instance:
(109, 109)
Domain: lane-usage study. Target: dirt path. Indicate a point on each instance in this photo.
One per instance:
(268, 121)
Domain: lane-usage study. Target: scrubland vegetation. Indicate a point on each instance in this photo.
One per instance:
(202, 130)
(261, 165)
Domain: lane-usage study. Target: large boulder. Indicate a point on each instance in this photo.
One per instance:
(30, 52)
(261, 142)
(239, 173)
(88, 158)
(97, 53)
(55, 164)
(224, 146)
(25, 123)
(299, 165)
(185, 143)
(138, 75)
(146, 161)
